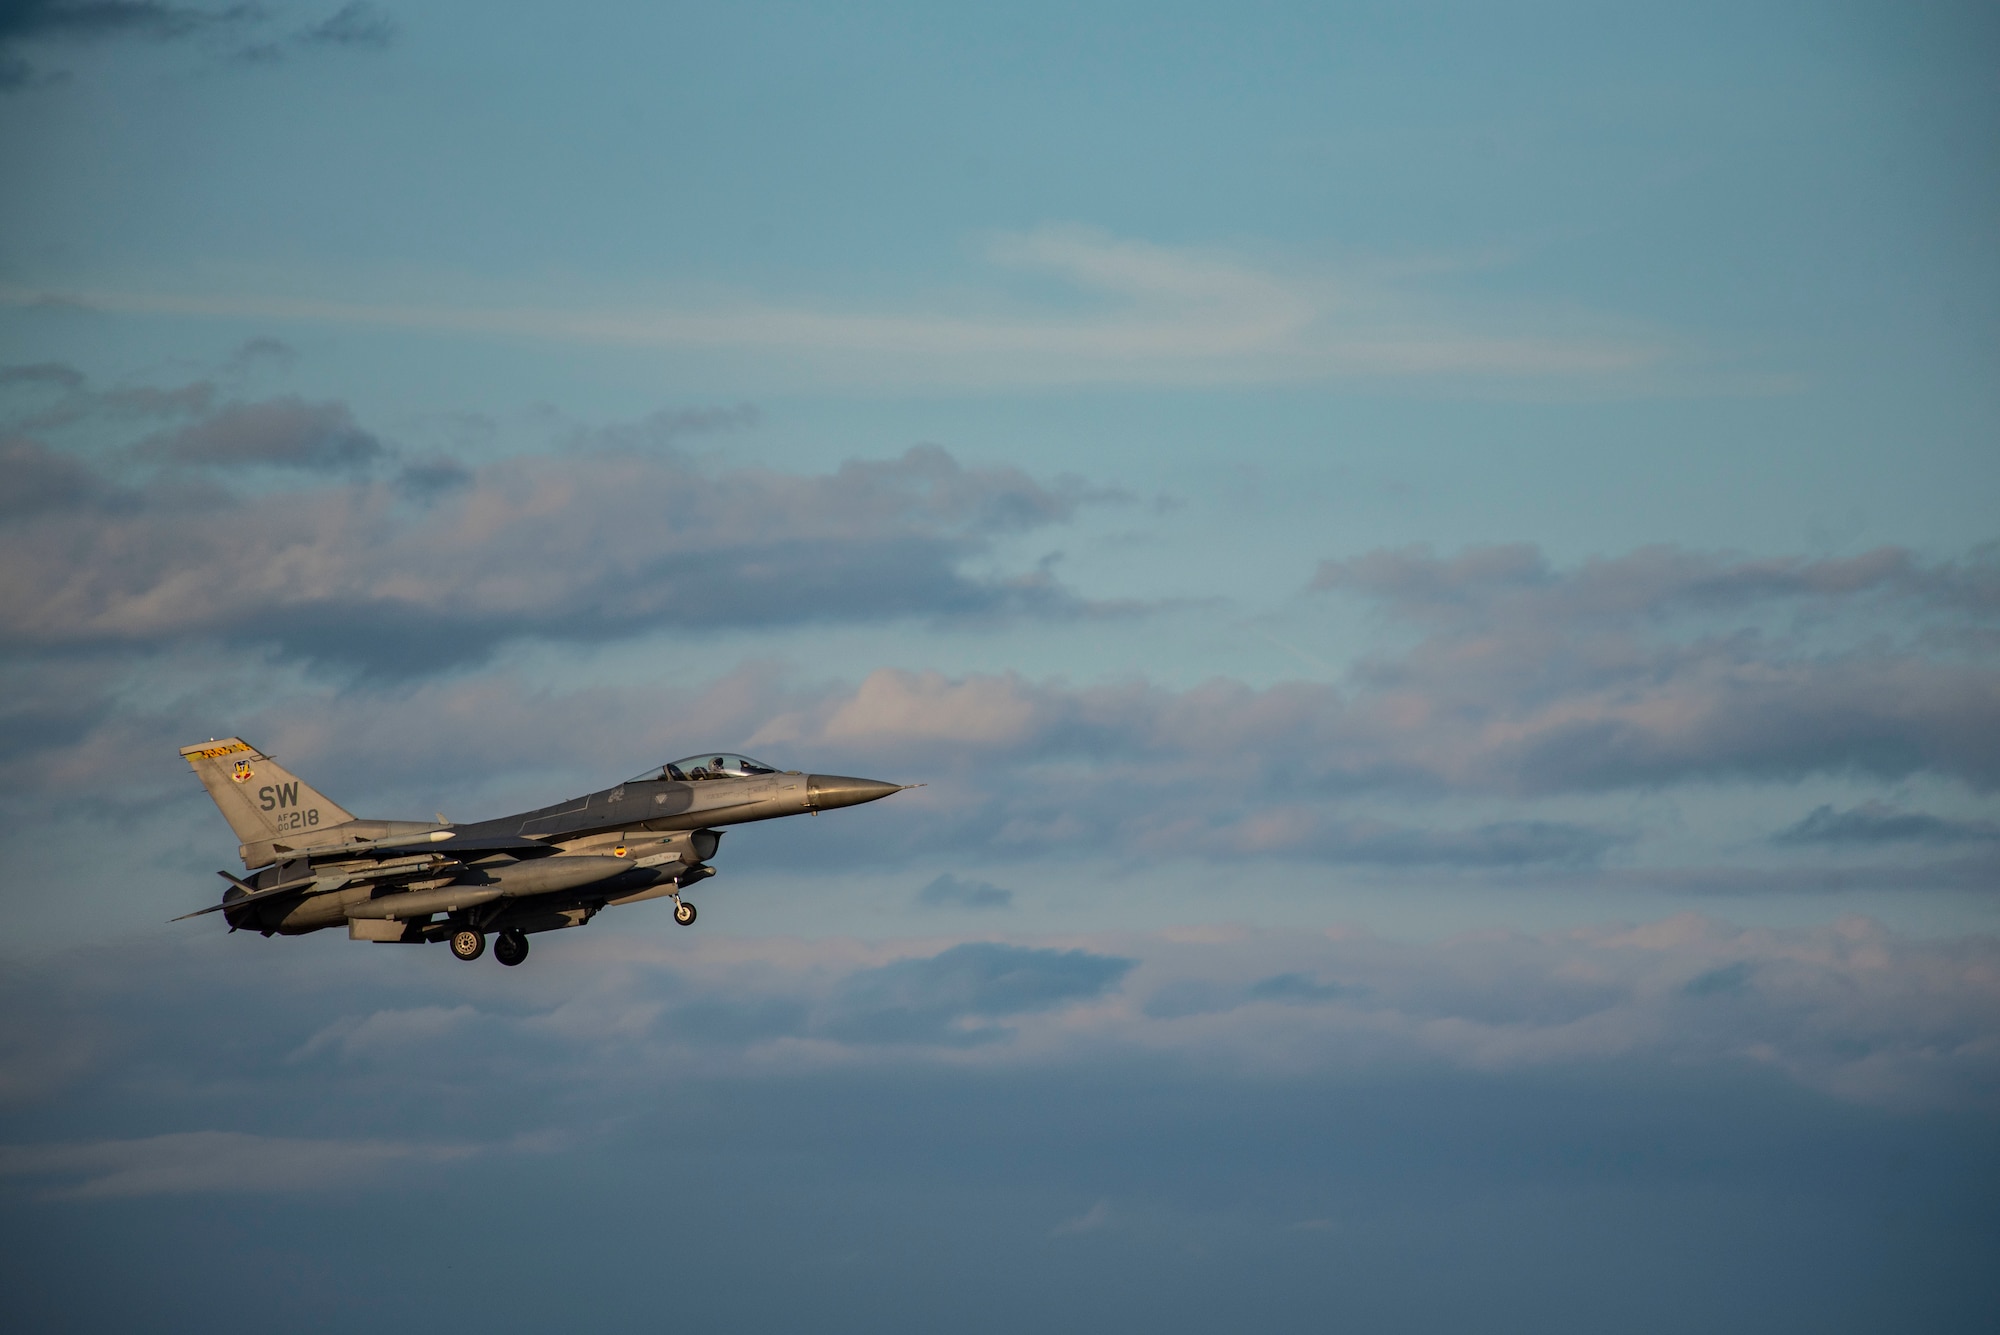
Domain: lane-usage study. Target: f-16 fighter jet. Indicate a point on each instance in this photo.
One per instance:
(311, 864)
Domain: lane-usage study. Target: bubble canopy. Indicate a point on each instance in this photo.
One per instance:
(707, 765)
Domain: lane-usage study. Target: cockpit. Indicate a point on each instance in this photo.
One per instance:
(708, 765)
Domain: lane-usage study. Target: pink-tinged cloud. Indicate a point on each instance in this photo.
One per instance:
(1850, 1009)
(438, 565)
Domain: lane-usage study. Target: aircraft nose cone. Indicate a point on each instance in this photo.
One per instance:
(826, 791)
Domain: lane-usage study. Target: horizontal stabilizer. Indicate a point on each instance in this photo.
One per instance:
(253, 896)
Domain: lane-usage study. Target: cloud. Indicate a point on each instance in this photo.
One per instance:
(1639, 669)
(1093, 1220)
(261, 350)
(1297, 987)
(36, 480)
(283, 433)
(41, 21)
(1133, 312)
(108, 18)
(1020, 770)
(42, 373)
(1556, 1089)
(607, 1017)
(604, 541)
(1513, 584)
(202, 1162)
(958, 996)
(1729, 980)
(388, 1031)
(427, 480)
(1206, 996)
(1521, 682)
(669, 426)
(948, 891)
(59, 397)
(1875, 822)
(1850, 1009)
(1313, 831)
(356, 24)
(1478, 747)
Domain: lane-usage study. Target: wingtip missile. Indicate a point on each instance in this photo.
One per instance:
(366, 845)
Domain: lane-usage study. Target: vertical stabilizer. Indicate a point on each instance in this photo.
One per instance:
(261, 799)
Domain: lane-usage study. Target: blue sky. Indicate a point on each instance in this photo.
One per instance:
(1437, 562)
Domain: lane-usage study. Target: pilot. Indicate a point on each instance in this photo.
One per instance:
(717, 768)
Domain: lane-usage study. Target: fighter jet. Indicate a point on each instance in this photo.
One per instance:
(310, 864)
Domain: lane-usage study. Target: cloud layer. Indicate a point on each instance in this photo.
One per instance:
(432, 566)
(1514, 713)
(1850, 1010)
(1499, 693)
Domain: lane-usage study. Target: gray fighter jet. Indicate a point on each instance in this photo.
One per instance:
(310, 864)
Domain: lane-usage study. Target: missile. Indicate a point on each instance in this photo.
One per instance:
(365, 845)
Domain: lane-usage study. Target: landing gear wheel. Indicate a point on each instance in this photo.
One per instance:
(510, 947)
(468, 944)
(683, 913)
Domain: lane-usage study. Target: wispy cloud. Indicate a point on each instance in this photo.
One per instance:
(1093, 1220)
(948, 891)
(962, 995)
(357, 25)
(1876, 822)
(202, 1162)
(1132, 312)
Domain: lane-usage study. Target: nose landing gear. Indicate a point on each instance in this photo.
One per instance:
(510, 947)
(683, 912)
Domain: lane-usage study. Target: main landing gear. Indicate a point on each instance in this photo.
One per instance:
(510, 947)
(683, 912)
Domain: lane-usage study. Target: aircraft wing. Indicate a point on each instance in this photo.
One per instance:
(320, 882)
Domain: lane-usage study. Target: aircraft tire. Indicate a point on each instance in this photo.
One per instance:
(468, 944)
(684, 913)
(510, 947)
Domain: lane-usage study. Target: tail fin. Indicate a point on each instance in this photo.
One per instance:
(260, 798)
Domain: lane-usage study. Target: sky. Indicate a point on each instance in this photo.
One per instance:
(1436, 562)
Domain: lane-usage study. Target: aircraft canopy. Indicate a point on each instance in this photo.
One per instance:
(707, 765)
